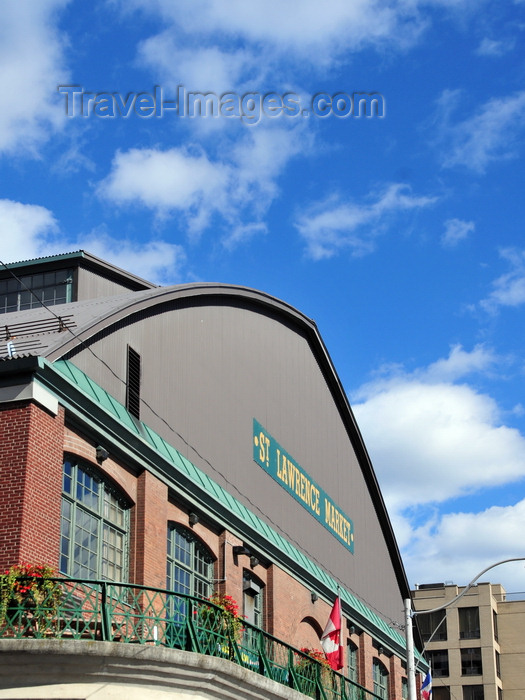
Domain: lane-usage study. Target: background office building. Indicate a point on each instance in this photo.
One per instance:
(193, 438)
(477, 650)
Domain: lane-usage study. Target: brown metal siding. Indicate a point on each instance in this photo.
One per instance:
(208, 370)
(94, 286)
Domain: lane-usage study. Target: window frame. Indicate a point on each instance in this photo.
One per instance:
(380, 678)
(198, 584)
(258, 598)
(433, 625)
(468, 620)
(352, 655)
(439, 662)
(473, 692)
(469, 666)
(108, 516)
(22, 299)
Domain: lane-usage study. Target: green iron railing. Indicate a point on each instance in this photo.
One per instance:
(134, 614)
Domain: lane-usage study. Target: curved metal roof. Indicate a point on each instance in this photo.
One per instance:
(87, 319)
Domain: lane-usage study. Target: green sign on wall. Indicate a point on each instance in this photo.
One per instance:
(284, 469)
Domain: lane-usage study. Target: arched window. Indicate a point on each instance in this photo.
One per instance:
(353, 668)
(380, 675)
(189, 564)
(94, 525)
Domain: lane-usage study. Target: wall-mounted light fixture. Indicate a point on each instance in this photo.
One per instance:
(240, 549)
(380, 651)
(351, 629)
(193, 519)
(314, 596)
(101, 453)
(253, 561)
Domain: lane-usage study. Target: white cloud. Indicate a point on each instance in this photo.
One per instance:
(509, 288)
(237, 187)
(461, 545)
(277, 32)
(494, 132)
(30, 231)
(199, 69)
(243, 232)
(167, 181)
(305, 29)
(25, 230)
(459, 364)
(492, 47)
(456, 230)
(300, 24)
(260, 159)
(433, 442)
(155, 260)
(432, 438)
(31, 67)
(333, 225)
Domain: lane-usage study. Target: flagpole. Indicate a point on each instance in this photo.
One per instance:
(411, 669)
(338, 591)
(341, 650)
(409, 631)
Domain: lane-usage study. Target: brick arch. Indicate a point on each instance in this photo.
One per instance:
(309, 633)
(96, 468)
(195, 535)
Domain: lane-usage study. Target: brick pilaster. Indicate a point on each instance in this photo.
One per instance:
(31, 449)
(150, 532)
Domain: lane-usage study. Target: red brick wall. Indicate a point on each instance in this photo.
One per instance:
(294, 616)
(149, 552)
(396, 674)
(76, 444)
(31, 441)
(230, 567)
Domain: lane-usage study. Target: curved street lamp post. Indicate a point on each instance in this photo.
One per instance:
(409, 632)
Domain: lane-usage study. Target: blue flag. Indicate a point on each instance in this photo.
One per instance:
(426, 688)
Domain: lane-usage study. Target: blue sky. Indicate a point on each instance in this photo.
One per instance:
(400, 233)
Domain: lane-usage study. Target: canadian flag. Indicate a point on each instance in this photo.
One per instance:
(331, 638)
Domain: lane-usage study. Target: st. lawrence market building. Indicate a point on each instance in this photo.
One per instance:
(182, 468)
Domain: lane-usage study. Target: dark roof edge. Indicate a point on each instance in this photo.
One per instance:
(74, 255)
(133, 304)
